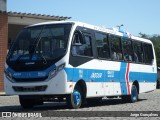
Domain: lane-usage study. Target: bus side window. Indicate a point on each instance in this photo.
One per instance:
(127, 49)
(102, 45)
(81, 46)
(87, 46)
(116, 49)
(138, 52)
(77, 42)
(148, 53)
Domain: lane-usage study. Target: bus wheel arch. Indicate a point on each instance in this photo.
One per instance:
(81, 83)
(78, 97)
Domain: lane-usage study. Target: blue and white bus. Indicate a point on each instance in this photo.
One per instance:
(77, 62)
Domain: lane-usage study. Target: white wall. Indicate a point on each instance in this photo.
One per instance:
(24, 20)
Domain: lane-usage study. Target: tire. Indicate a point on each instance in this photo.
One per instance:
(158, 84)
(74, 100)
(26, 103)
(133, 97)
(134, 94)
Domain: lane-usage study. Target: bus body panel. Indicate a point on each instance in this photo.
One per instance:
(146, 86)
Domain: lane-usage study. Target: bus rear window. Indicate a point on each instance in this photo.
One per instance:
(148, 53)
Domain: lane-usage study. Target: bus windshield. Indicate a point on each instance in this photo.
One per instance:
(40, 43)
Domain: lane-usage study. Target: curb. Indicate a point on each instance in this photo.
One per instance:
(2, 93)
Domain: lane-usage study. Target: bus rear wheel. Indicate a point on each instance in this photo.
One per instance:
(133, 97)
(134, 94)
(74, 100)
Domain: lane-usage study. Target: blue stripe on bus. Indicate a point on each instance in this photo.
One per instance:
(149, 77)
(76, 74)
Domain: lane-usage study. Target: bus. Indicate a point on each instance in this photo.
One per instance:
(78, 63)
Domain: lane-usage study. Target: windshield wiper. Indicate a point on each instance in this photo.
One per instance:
(36, 41)
(18, 59)
(44, 59)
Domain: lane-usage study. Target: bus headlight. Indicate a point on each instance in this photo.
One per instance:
(56, 70)
(60, 67)
(8, 74)
(52, 73)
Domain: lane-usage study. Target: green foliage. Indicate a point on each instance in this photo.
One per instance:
(156, 41)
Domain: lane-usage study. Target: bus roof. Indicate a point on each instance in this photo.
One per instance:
(101, 29)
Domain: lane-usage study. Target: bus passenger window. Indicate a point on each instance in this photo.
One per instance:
(127, 49)
(87, 46)
(77, 42)
(148, 53)
(80, 46)
(116, 49)
(138, 52)
(102, 45)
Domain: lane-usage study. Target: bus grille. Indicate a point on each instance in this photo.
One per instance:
(29, 79)
(30, 89)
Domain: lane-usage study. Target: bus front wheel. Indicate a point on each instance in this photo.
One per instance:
(74, 100)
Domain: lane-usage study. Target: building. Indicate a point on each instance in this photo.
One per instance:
(10, 24)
